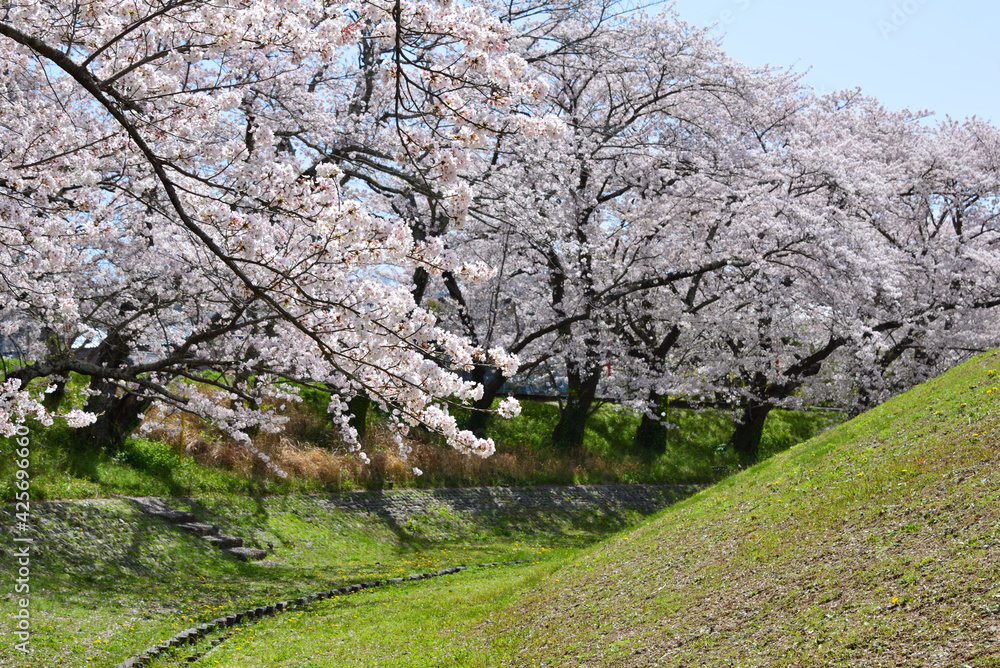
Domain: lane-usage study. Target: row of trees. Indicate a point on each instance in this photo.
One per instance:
(709, 234)
(414, 204)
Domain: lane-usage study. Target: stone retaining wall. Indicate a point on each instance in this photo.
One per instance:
(491, 501)
(94, 533)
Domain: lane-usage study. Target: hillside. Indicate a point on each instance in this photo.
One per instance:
(874, 544)
(871, 545)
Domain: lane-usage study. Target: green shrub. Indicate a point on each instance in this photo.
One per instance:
(148, 455)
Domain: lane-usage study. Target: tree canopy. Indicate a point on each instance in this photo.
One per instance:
(416, 203)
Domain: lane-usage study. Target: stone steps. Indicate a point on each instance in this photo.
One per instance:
(210, 533)
(246, 553)
(224, 542)
(199, 528)
(170, 515)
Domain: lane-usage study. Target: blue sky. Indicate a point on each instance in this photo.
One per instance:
(919, 54)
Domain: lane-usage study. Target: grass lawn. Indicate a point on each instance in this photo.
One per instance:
(109, 581)
(436, 622)
(875, 544)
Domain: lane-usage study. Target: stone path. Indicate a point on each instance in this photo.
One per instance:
(186, 521)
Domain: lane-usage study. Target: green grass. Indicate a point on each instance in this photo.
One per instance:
(108, 581)
(63, 468)
(430, 623)
(696, 450)
(874, 544)
(697, 434)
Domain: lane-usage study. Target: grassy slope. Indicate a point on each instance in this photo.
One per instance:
(874, 544)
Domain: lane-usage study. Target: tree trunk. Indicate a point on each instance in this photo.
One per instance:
(420, 280)
(358, 408)
(53, 399)
(651, 437)
(479, 418)
(568, 434)
(117, 416)
(747, 433)
(54, 346)
(116, 421)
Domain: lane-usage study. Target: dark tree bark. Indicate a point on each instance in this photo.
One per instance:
(749, 428)
(748, 431)
(53, 399)
(116, 422)
(246, 375)
(651, 435)
(53, 344)
(358, 408)
(117, 415)
(582, 389)
(479, 418)
(420, 280)
(421, 229)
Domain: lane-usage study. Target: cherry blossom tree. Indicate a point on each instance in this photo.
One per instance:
(881, 282)
(725, 244)
(567, 219)
(207, 206)
(177, 184)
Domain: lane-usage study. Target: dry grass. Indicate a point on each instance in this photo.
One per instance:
(310, 449)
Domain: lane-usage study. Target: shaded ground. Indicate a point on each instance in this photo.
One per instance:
(108, 581)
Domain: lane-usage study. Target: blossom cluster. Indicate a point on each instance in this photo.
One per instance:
(16, 405)
(214, 209)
